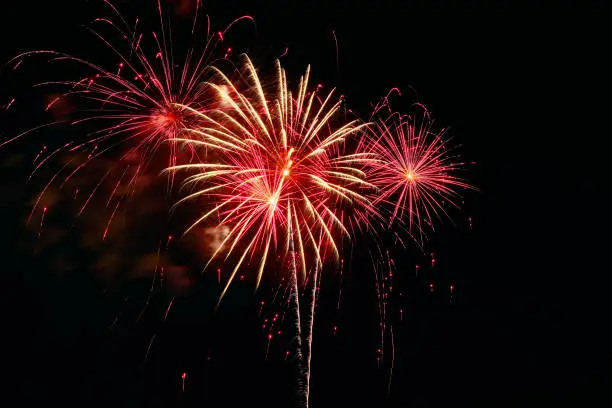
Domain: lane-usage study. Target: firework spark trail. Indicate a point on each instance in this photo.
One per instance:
(383, 268)
(169, 307)
(337, 54)
(392, 335)
(385, 102)
(144, 362)
(146, 305)
(341, 284)
(284, 53)
(8, 105)
(42, 220)
(378, 262)
(309, 334)
(416, 172)
(294, 306)
(307, 351)
(135, 104)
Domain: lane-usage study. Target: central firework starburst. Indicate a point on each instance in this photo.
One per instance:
(275, 171)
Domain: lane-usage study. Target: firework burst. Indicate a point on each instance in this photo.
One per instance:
(135, 105)
(415, 172)
(279, 173)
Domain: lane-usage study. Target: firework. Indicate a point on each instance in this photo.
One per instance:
(415, 172)
(135, 104)
(278, 172)
(278, 177)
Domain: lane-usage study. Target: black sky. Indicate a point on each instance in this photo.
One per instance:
(518, 83)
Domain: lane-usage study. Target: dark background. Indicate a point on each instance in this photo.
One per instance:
(518, 83)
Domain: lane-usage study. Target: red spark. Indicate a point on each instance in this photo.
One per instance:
(42, 219)
(8, 105)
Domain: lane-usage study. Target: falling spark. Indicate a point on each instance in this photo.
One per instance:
(149, 348)
(8, 105)
(337, 54)
(42, 219)
(169, 307)
(284, 53)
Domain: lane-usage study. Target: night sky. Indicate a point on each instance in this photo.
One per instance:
(520, 87)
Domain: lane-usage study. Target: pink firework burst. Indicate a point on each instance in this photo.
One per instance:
(277, 173)
(415, 173)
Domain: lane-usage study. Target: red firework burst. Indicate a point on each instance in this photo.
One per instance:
(137, 104)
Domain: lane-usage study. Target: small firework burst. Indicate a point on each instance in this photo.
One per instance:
(415, 172)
